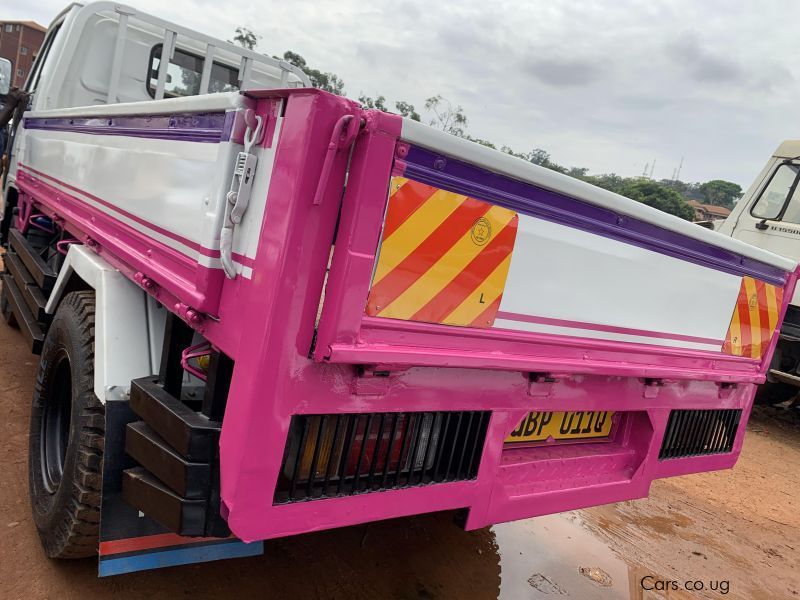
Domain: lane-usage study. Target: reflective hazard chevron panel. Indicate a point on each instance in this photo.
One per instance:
(754, 318)
(444, 257)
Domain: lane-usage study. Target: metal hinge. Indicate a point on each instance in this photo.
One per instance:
(541, 384)
(238, 197)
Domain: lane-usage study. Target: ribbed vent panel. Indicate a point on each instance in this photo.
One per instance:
(699, 433)
(343, 455)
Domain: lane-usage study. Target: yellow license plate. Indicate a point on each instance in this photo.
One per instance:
(572, 425)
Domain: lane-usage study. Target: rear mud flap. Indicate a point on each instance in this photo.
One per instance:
(130, 541)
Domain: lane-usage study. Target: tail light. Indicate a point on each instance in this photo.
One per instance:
(330, 455)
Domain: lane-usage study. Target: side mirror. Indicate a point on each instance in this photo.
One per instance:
(5, 78)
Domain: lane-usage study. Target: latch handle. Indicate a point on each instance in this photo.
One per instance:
(344, 132)
(238, 196)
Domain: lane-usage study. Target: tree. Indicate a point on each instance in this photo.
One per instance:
(407, 110)
(537, 156)
(480, 141)
(403, 108)
(611, 182)
(245, 38)
(578, 172)
(446, 117)
(378, 102)
(330, 82)
(656, 195)
(720, 192)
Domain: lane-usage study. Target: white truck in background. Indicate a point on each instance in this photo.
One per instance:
(768, 216)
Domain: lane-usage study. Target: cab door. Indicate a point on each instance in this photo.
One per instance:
(772, 220)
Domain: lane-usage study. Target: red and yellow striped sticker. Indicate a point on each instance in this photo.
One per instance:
(754, 318)
(444, 257)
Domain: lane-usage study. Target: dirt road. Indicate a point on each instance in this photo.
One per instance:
(741, 527)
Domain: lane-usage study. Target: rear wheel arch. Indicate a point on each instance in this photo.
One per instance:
(73, 283)
(122, 341)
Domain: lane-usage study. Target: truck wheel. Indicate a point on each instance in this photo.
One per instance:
(775, 393)
(65, 447)
(5, 311)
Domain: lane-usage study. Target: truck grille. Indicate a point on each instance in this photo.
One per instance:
(343, 455)
(699, 432)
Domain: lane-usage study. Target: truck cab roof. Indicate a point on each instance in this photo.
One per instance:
(109, 53)
(788, 149)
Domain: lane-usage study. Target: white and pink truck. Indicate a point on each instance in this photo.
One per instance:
(263, 310)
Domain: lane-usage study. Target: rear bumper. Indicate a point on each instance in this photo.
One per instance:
(580, 476)
(513, 482)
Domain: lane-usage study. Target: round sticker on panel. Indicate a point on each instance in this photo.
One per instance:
(481, 231)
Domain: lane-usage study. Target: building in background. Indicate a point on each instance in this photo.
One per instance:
(708, 212)
(20, 42)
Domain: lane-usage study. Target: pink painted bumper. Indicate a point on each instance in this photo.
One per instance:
(513, 481)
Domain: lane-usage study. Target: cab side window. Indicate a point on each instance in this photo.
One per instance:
(33, 79)
(780, 200)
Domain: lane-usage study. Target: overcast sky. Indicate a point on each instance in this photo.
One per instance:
(606, 84)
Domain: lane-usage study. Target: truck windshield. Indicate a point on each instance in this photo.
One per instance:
(780, 200)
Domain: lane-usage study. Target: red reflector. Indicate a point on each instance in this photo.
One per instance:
(362, 454)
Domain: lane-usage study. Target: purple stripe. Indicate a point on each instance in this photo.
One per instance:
(463, 178)
(227, 126)
(201, 127)
(509, 316)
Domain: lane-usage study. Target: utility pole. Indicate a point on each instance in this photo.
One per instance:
(678, 173)
(653, 166)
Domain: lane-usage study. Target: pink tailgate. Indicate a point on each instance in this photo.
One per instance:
(292, 381)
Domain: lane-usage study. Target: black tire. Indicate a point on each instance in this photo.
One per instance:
(777, 392)
(65, 447)
(5, 310)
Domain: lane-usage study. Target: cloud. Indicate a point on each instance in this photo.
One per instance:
(702, 64)
(564, 72)
(606, 84)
